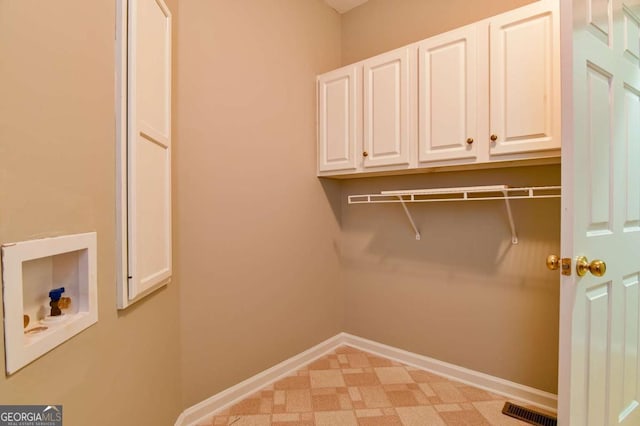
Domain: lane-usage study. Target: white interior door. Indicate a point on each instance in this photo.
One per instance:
(149, 145)
(599, 381)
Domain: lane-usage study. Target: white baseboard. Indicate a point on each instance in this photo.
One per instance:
(529, 395)
(201, 411)
(205, 409)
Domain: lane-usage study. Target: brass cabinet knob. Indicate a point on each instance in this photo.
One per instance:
(553, 262)
(493, 138)
(365, 154)
(469, 141)
(596, 267)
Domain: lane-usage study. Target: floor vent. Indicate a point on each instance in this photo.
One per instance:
(528, 415)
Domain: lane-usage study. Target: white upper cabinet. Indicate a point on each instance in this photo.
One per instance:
(338, 131)
(447, 92)
(525, 79)
(386, 110)
(485, 93)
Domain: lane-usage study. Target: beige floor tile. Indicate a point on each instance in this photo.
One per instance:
(286, 417)
(374, 397)
(380, 421)
(254, 420)
(355, 394)
(247, 406)
(447, 392)
(321, 364)
(329, 402)
(393, 375)
(464, 418)
(419, 416)
(326, 379)
(369, 412)
(335, 418)
(279, 397)
(376, 361)
(426, 389)
(266, 405)
(298, 400)
(420, 397)
(361, 379)
(404, 398)
(358, 360)
(474, 394)
(345, 401)
(447, 407)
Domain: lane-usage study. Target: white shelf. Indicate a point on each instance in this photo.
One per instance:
(468, 193)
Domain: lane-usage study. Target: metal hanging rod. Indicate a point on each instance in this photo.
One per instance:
(468, 193)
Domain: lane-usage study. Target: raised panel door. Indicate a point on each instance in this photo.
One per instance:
(524, 69)
(386, 110)
(599, 372)
(447, 96)
(338, 132)
(149, 146)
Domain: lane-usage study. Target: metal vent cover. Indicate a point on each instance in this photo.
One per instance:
(528, 415)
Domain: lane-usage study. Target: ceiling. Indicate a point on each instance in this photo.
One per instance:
(342, 6)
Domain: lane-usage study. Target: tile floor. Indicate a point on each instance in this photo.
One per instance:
(349, 387)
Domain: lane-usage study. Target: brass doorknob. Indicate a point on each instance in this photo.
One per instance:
(469, 141)
(596, 267)
(493, 138)
(365, 154)
(553, 262)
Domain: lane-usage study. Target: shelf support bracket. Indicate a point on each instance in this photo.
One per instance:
(413, 224)
(514, 236)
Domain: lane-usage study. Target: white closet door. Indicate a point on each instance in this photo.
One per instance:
(386, 109)
(149, 145)
(447, 96)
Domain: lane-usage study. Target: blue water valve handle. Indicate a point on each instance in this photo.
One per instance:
(56, 293)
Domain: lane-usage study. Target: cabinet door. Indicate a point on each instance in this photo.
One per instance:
(525, 79)
(337, 129)
(386, 109)
(447, 91)
(149, 146)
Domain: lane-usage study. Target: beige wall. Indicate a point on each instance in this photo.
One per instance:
(382, 25)
(463, 294)
(256, 235)
(57, 176)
